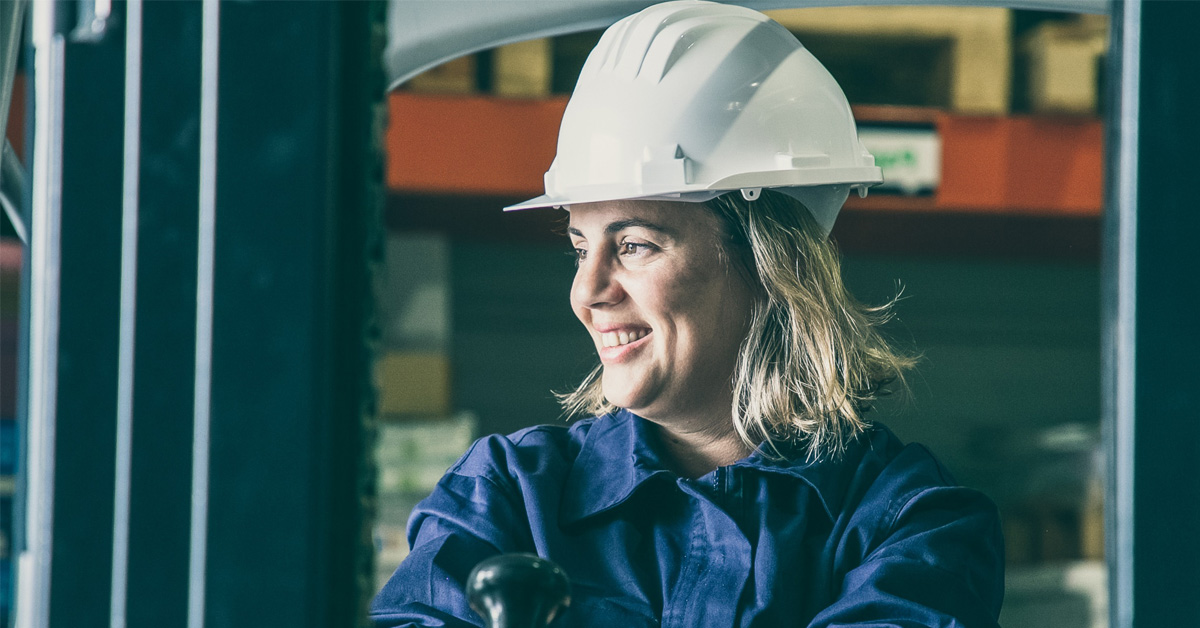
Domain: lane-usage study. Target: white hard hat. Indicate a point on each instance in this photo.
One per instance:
(688, 100)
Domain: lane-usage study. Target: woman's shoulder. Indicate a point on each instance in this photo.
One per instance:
(533, 450)
(880, 465)
(892, 476)
(882, 452)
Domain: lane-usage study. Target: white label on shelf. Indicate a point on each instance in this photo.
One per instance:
(911, 159)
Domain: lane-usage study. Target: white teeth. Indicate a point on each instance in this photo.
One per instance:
(618, 338)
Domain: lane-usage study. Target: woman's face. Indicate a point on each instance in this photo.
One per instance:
(665, 311)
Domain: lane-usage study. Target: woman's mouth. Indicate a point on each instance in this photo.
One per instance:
(617, 346)
(619, 338)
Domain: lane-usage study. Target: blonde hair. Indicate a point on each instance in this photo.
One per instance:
(813, 360)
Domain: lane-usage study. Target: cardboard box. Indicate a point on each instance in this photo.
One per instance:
(456, 76)
(1064, 64)
(523, 69)
(979, 39)
(412, 383)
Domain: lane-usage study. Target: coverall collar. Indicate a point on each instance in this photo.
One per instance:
(620, 454)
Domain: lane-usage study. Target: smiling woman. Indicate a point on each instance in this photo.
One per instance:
(797, 327)
(726, 472)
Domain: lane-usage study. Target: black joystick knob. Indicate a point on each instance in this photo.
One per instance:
(518, 591)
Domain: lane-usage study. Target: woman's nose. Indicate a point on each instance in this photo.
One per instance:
(595, 284)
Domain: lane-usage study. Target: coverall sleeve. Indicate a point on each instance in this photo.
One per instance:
(470, 516)
(938, 561)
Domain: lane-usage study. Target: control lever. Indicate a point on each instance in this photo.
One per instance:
(518, 591)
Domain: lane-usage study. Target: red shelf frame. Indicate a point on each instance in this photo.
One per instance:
(476, 145)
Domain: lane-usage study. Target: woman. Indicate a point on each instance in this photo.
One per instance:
(729, 476)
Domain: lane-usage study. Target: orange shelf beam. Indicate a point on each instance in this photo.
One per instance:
(482, 145)
(1022, 164)
(470, 145)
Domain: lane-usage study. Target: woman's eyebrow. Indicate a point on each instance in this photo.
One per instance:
(619, 225)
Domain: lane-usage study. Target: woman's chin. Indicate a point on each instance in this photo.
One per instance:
(624, 394)
(621, 401)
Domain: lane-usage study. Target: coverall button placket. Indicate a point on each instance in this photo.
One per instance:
(717, 566)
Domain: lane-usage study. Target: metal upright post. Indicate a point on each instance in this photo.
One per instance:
(75, 240)
(1151, 299)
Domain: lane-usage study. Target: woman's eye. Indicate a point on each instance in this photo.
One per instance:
(634, 248)
(578, 254)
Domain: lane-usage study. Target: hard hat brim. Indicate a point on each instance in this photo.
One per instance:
(862, 177)
(547, 200)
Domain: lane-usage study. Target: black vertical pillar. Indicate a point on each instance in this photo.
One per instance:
(1152, 300)
(164, 315)
(88, 312)
(295, 226)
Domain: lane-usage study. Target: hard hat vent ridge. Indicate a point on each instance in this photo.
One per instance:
(660, 25)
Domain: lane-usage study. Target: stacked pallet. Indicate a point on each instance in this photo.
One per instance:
(1064, 60)
(973, 42)
(959, 59)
